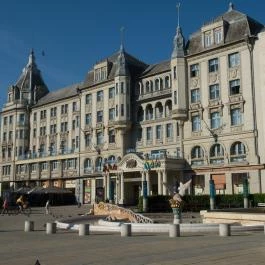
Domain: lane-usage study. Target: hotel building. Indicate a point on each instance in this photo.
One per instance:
(197, 115)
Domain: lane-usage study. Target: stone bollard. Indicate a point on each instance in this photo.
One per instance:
(83, 229)
(29, 226)
(50, 228)
(126, 230)
(174, 230)
(224, 230)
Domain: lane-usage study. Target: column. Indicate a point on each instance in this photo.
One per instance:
(159, 182)
(122, 189)
(206, 182)
(164, 177)
(122, 142)
(107, 186)
(148, 183)
(143, 179)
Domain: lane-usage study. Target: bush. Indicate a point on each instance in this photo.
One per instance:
(160, 203)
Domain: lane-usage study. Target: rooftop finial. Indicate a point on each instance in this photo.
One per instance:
(178, 7)
(231, 7)
(122, 38)
(31, 57)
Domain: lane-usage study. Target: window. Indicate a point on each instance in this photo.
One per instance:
(10, 119)
(207, 39)
(88, 140)
(122, 110)
(35, 116)
(214, 91)
(167, 84)
(100, 96)
(236, 117)
(238, 152)
(5, 120)
(73, 125)
(64, 109)
(147, 87)
(169, 130)
(234, 60)
(234, 87)
(43, 114)
(111, 92)
(64, 126)
(175, 98)
(197, 156)
(149, 133)
(213, 65)
(53, 112)
(55, 165)
(159, 132)
(100, 138)
(195, 95)
(194, 70)
(139, 134)
(175, 72)
(88, 120)
(122, 87)
(215, 120)
(196, 123)
(21, 118)
(218, 35)
(217, 154)
(74, 106)
(111, 136)
(156, 84)
(111, 114)
(100, 116)
(88, 99)
(149, 113)
(4, 136)
(34, 133)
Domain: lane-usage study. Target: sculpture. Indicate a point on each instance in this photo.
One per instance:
(176, 201)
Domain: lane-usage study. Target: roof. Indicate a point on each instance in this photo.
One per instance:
(60, 94)
(135, 67)
(154, 69)
(237, 26)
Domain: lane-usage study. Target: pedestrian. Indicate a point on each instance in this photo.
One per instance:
(5, 206)
(47, 207)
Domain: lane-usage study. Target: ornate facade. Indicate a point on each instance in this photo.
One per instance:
(197, 115)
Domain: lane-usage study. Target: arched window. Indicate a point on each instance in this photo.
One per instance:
(158, 110)
(217, 154)
(197, 156)
(167, 84)
(238, 152)
(140, 114)
(147, 87)
(87, 165)
(99, 164)
(156, 84)
(149, 112)
(168, 108)
(161, 84)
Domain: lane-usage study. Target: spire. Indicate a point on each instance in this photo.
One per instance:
(122, 39)
(31, 58)
(231, 7)
(121, 65)
(178, 43)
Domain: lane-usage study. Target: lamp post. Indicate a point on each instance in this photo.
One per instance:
(79, 92)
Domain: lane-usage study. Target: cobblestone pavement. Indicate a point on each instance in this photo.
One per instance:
(67, 248)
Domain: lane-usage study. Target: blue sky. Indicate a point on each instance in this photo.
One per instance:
(75, 34)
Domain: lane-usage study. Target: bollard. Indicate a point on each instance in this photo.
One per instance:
(50, 228)
(126, 230)
(224, 230)
(83, 229)
(174, 230)
(29, 226)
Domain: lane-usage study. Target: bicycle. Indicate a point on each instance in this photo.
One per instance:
(24, 208)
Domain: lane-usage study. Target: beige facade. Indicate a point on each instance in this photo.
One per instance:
(198, 115)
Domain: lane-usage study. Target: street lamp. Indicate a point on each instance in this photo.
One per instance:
(79, 93)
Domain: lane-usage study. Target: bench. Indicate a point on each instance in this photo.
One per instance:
(261, 204)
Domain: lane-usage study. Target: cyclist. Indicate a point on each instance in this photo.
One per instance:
(20, 202)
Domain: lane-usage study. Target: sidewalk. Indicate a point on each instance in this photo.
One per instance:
(67, 248)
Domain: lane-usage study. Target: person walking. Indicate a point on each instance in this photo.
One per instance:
(5, 207)
(47, 207)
